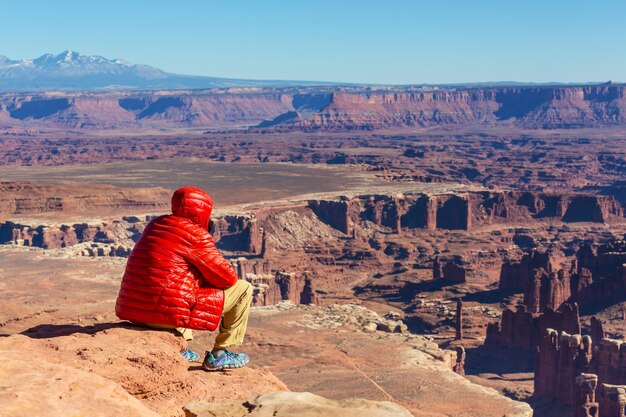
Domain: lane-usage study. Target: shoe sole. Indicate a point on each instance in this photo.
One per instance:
(221, 367)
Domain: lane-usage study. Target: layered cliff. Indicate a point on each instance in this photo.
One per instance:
(323, 108)
(533, 107)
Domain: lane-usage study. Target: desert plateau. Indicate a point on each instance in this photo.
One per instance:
(410, 248)
(458, 249)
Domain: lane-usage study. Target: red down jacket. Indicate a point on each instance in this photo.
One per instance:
(175, 275)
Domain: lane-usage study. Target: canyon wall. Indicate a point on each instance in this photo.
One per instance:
(235, 234)
(24, 198)
(396, 214)
(125, 231)
(134, 110)
(463, 211)
(535, 107)
(314, 108)
(271, 287)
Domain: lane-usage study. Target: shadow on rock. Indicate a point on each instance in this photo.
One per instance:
(498, 360)
(46, 331)
(543, 407)
(488, 297)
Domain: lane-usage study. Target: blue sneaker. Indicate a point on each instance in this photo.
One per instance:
(227, 360)
(190, 355)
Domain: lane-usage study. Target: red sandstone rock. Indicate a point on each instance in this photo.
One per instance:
(517, 276)
(601, 276)
(612, 399)
(547, 290)
(453, 273)
(458, 324)
(526, 330)
(585, 393)
(309, 295)
(609, 362)
(597, 333)
(459, 365)
(333, 213)
(437, 271)
(560, 359)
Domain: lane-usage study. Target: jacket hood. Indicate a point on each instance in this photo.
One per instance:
(194, 204)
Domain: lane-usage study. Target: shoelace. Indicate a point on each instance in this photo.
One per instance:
(232, 356)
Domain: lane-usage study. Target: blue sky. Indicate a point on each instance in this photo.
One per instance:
(383, 41)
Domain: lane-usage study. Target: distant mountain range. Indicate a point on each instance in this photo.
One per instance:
(72, 71)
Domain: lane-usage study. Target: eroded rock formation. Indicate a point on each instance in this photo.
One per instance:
(271, 289)
(601, 273)
(458, 211)
(453, 273)
(517, 276)
(597, 276)
(459, 365)
(125, 231)
(458, 322)
(612, 399)
(570, 370)
(547, 290)
(524, 329)
(585, 396)
(560, 359)
(309, 294)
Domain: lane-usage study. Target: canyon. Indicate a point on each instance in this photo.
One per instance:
(475, 232)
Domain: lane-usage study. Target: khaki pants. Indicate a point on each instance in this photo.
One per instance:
(234, 317)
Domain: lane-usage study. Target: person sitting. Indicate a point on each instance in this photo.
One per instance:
(176, 278)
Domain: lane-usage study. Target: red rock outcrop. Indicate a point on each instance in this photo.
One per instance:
(459, 211)
(108, 110)
(125, 230)
(596, 331)
(612, 399)
(598, 275)
(459, 364)
(458, 321)
(525, 330)
(561, 357)
(453, 274)
(437, 268)
(569, 368)
(309, 294)
(609, 362)
(333, 213)
(270, 289)
(585, 395)
(384, 211)
(517, 276)
(601, 273)
(239, 234)
(547, 290)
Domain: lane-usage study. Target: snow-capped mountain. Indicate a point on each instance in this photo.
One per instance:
(71, 70)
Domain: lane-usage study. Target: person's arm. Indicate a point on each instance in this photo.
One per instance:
(216, 270)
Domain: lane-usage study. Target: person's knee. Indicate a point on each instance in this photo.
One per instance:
(249, 288)
(246, 289)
